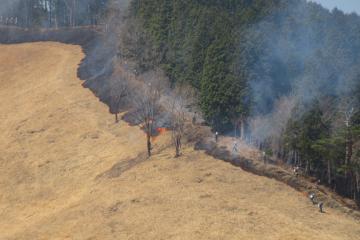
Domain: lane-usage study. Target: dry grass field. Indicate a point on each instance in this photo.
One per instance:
(67, 171)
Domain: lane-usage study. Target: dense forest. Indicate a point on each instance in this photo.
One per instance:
(286, 72)
(52, 13)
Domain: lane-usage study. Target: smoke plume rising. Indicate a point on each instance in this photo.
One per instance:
(300, 61)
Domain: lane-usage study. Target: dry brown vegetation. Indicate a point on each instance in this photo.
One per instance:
(67, 171)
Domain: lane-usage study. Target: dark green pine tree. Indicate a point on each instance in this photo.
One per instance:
(223, 94)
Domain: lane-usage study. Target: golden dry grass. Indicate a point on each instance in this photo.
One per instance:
(57, 141)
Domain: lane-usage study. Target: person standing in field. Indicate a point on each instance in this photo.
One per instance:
(235, 147)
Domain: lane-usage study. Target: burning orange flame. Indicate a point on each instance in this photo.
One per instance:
(160, 132)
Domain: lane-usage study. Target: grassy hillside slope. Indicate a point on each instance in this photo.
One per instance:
(68, 172)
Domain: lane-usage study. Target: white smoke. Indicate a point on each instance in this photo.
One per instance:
(321, 68)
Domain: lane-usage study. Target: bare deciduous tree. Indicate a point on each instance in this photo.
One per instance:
(180, 100)
(146, 101)
(348, 138)
(119, 90)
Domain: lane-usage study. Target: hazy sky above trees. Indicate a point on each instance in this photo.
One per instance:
(348, 6)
